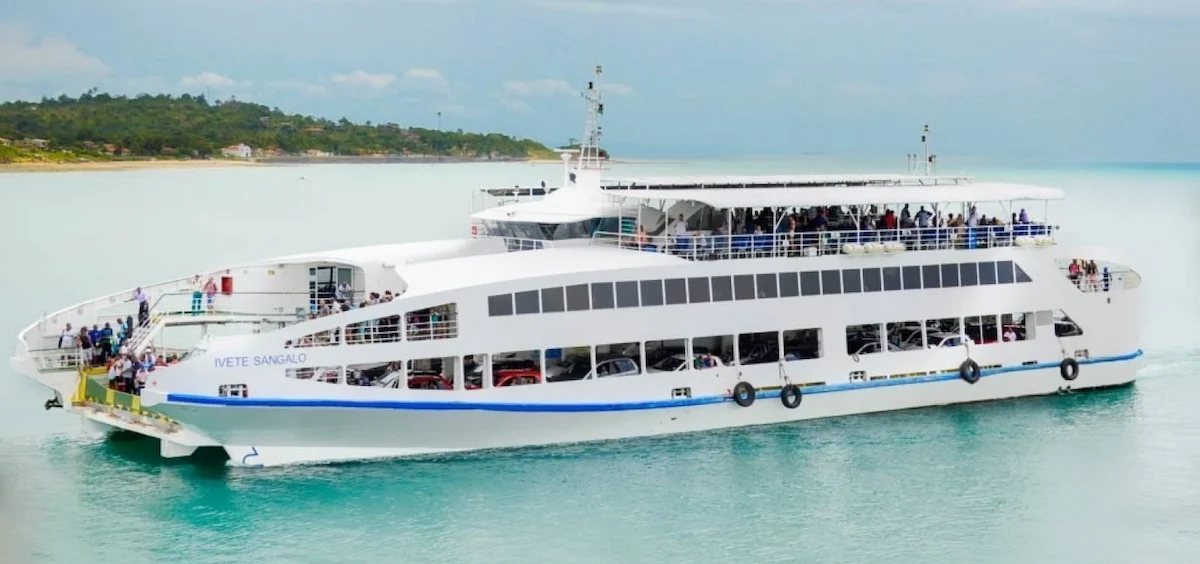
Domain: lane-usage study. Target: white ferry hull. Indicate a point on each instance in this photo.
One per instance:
(259, 434)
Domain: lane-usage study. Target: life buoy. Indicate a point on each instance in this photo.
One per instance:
(743, 394)
(969, 371)
(1069, 369)
(790, 396)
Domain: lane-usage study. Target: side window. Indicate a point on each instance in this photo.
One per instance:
(652, 293)
(862, 339)
(553, 300)
(438, 322)
(500, 305)
(324, 374)
(330, 338)
(602, 295)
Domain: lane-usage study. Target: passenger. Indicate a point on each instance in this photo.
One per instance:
(1107, 277)
(1024, 217)
(197, 294)
(210, 293)
(1093, 272)
(86, 351)
(1009, 334)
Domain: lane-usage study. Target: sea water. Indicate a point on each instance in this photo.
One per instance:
(1111, 476)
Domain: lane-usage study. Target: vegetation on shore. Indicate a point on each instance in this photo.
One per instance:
(102, 127)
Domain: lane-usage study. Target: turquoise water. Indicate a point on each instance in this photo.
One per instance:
(1111, 476)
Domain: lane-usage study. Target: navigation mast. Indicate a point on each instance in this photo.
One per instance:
(589, 148)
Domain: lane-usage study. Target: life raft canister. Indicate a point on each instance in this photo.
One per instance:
(790, 396)
(743, 394)
(969, 371)
(1069, 369)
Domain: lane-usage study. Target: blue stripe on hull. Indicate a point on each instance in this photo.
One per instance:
(624, 406)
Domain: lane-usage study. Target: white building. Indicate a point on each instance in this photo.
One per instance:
(239, 151)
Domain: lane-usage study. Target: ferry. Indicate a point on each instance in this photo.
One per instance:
(608, 308)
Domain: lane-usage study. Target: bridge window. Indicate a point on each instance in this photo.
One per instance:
(438, 322)
(330, 338)
(758, 348)
(1020, 274)
(516, 368)
(578, 298)
(432, 373)
(602, 295)
(789, 285)
(712, 352)
(802, 344)
(722, 289)
(1004, 272)
(526, 302)
(987, 273)
(852, 281)
(905, 336)
(949, 275)
(676, 290)
(863, 339)
(325, 374)
(652, 293)
(500, 305)
(667, 356)
(627, 294)
(743, 286)
(912, 277)
(873, 279)
(568, 364)
(810, 283)
(831, 282)
(698, 290)
(891, 279)
(931, 276)
(767, 286)
(553, 300)
(968, 274)
(621, 359)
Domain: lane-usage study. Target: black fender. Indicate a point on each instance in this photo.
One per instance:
(969, 371)
(743, 394)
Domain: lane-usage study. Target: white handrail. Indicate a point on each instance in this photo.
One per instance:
(709, 246)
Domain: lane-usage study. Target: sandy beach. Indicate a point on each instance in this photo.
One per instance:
(46, 166)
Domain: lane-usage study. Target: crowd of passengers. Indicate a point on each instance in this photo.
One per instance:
(1088, 276)
(109, 347)
(782, 221)
(422, 324)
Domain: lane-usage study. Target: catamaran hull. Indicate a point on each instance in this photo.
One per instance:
(290, 433)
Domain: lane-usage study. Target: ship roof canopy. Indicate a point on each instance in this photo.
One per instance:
(791, 194)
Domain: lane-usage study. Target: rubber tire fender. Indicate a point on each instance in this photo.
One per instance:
(1069, 369)
(743, 394)
(790, 395)
(969, 371)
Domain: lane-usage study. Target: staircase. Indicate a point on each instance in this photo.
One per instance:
(144, 334)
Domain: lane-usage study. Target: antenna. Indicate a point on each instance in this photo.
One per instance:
(589, 148)
(925, 141)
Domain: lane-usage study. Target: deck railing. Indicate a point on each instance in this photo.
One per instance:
(704, 246)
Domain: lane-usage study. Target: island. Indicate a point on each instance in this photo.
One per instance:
(97, 127)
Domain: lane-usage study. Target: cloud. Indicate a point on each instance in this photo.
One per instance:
(207, 79)
(543, 88)
(364, 79)
(28, 59)
(668, 11)
(424, 79)
(615, 88)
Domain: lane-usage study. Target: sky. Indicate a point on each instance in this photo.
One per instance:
(1070, 81)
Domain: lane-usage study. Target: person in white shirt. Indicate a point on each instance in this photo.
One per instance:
(973, 218)
(1009, 335)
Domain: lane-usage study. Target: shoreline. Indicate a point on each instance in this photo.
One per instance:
(49, 166)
